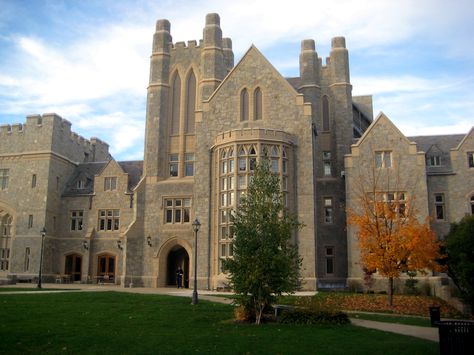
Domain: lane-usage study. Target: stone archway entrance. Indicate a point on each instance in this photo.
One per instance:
(177, 257)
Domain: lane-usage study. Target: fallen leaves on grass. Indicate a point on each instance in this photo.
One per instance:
(402, 304)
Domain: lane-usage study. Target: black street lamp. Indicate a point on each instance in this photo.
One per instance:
(43, 234)
(196, 226)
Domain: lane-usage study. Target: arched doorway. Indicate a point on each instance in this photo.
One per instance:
(73, 267)
(177, 257)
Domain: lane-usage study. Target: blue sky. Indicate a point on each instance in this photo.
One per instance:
(88, 61)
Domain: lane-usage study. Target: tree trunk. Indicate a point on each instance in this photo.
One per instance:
(390, 291)
(258, 314)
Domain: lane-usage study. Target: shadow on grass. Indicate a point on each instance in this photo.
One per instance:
(113, 322)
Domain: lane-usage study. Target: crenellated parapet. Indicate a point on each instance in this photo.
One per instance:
(50, 133)
(252, 135)
(197, 67)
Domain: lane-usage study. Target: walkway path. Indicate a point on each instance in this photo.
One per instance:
(410, 330)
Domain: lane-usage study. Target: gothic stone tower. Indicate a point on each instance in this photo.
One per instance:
(207, 124)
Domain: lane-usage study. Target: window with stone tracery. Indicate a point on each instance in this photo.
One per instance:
(237, 163)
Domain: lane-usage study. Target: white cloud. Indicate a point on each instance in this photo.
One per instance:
(101, 75)
(420, 106)
(121, 131)
(86, 70)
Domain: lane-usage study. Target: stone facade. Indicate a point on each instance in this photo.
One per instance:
(434, 173)
(207, 123)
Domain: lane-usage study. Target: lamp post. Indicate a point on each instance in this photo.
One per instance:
(43, 234)
(196, 225)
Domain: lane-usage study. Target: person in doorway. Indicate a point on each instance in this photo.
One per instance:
(179, 277)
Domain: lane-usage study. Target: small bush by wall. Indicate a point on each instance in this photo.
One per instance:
(304, 316)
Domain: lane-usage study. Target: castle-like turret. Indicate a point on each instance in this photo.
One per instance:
(157, 99)
(341, 95)
(339, 61)
(212, 56)
(310, 75)
(228, 54)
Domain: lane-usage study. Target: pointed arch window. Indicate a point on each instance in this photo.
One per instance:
(257, 97)
(244, 105)
(5, 236)
(175, 103)
(325, 102)
(190, 103)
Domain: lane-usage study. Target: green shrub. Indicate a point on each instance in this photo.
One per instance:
(410, 287)
(304, 316)
(410, 284)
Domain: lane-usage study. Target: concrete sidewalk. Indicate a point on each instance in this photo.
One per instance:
(410, 330)
(213, 296)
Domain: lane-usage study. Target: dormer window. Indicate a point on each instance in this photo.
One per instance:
(80, 184)
(433, 160)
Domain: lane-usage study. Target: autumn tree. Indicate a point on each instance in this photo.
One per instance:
(392, 241)
(265, 262)
(391, 238)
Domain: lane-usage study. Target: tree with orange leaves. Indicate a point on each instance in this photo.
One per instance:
(391, 238)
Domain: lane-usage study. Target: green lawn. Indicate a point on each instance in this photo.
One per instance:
(113, 322)
(23, 289)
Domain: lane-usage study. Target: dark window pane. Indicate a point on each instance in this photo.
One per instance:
(111, 265)
(186, 215)
(439, 212)
(169, 216)
(329, 265)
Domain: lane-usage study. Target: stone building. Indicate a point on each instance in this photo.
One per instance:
(433, 173)
(208, 122)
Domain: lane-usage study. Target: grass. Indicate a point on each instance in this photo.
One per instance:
(30, 289)
(113, 322)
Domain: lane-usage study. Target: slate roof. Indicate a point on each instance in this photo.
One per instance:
(295, 82)
(134, 169)
(438, 145)
(87, 171)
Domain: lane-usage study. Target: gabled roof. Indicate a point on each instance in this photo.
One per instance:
(442, 142)
(381, 117)
(471, 132)
(87, 172)
(254, 50)
(440, 146)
